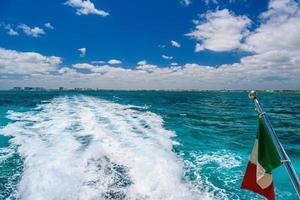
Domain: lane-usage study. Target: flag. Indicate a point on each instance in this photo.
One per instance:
(264, 158)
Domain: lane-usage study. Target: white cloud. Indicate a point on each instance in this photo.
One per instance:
(86, 7)
(114, 62)
(281, 9)
(33, 32)
(99, 68)
(142, 62)
(147, 68)
(186, 2)
(14, 62)
(220, 31)
(82, 52)
(10, 30)
(49, 25)
(84, 66)
(276, 42)
(98, 62)
(67, 70)
(199, 47)
(207, 2)
(167, 57)
(175, 44)
(174, 64)
(144, 66)
(279, 31)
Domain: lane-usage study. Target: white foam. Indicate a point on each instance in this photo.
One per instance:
(5, 153)
(223, 159)
(204, 166)
(85, 148)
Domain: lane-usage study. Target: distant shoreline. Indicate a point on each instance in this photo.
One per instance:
(142, 90)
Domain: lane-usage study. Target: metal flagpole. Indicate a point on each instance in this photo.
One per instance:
(283, 156)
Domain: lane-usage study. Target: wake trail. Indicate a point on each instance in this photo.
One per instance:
(81, 147)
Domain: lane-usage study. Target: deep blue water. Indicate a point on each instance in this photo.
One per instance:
(138, 145)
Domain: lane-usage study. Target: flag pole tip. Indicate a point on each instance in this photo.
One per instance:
(252, 94)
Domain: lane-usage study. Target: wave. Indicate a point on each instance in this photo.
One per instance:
(220, 166)
(81, 147)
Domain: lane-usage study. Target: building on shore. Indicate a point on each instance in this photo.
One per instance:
(17, 89)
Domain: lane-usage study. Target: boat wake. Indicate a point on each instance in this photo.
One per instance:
(80, 147)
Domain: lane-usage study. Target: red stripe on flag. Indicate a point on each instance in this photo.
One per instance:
(249, 183)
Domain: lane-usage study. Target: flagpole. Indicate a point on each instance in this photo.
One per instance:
(283, 156)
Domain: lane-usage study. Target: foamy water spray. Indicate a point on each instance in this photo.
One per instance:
(85, 148)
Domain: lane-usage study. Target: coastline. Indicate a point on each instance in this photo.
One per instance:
(145, 90)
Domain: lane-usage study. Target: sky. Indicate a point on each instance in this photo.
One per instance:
(157, 44)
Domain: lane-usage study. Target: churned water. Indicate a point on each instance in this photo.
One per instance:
(137, 145)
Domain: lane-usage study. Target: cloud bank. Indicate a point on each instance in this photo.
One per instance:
(26, 63)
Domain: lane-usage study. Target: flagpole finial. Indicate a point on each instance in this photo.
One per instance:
(252, 94)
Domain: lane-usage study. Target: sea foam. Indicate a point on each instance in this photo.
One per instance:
(81, 147)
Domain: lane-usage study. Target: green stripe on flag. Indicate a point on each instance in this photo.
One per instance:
(268, 156)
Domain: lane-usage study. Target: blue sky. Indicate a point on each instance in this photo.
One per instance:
(133, 31)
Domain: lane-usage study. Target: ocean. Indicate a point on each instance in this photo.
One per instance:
(138, 144)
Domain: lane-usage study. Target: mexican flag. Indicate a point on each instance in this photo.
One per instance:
(264, 158)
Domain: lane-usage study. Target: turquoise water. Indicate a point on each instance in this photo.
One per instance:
(137, 145)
